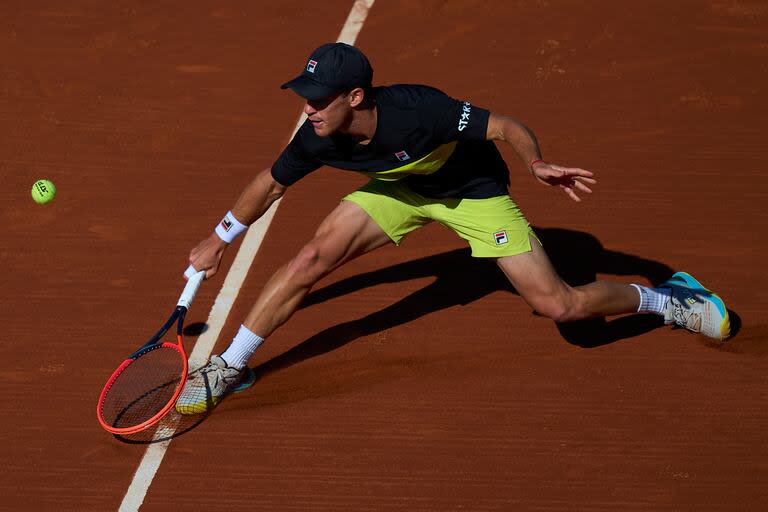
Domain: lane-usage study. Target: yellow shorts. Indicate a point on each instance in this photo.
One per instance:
(494, 227)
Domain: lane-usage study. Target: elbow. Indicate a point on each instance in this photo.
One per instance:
(274, 190)
(502, 128)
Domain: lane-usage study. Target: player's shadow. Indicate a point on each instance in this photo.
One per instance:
(461, 279)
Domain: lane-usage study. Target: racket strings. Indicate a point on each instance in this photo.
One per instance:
(144, 387)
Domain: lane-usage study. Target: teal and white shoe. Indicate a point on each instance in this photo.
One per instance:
(206, 387)
(695, 308)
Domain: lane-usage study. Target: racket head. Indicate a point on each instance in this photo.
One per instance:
(143, 389)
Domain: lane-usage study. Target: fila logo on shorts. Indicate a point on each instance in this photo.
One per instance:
(500, 237)
(464, 119)
(311, 65)
(402, 156)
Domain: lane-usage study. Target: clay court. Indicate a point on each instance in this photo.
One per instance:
(413, 378)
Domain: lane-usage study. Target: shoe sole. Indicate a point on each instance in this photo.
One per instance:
(692, 282)
(196, 408)
(247, 382)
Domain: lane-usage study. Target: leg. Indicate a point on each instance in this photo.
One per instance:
(346, 233)
(496, 228)
(533, 276)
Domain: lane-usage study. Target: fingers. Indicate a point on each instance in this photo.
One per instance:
(573, 179)
(573, 171)
(207, 255)
(574, 185)
(196, 264)
(564, 175)
(570, 179)
(192, 270)
(581, 186)
(571, 193)
(582, 179)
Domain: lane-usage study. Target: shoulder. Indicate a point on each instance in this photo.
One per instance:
(407, 95)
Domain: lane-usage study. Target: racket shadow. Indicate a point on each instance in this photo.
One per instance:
(172, 425)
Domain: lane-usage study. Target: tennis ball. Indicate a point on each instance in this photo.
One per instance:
(43, 191)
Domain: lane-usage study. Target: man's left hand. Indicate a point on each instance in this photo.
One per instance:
(570, 179)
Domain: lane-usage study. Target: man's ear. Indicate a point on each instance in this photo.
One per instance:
(356, 97)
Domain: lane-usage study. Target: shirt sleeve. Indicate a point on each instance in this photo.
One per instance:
(450, 119)
(294, 162)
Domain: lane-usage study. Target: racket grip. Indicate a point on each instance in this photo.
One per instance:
(188, 295)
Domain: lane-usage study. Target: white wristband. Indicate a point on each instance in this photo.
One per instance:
(230, 228)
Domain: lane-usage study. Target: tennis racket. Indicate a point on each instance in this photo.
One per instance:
(143, 389)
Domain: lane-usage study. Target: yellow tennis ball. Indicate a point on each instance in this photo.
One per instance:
(43, 191)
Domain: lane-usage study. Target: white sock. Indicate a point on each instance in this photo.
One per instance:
(242, 348)
(653, 300)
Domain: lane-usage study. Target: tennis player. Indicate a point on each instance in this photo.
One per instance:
(429, 158)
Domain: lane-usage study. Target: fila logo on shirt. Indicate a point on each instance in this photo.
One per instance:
(402, 156)
(311, 65)
(464, 119)
(500, 237)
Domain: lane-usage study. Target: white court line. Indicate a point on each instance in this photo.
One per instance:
(155, 452)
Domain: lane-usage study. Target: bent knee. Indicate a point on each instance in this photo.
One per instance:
(307, 266)
(557, 312)
(560, 308)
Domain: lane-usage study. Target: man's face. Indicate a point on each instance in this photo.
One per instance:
(329, 115)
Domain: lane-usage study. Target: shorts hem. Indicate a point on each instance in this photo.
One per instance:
(368, 212)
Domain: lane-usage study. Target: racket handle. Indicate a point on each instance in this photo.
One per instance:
(188, 295)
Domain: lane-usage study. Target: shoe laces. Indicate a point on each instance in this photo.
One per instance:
(218, 374)
(683, 311)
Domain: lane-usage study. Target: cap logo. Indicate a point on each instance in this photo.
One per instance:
(311, 65)
(402, 156)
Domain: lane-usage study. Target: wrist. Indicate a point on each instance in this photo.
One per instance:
(534, 163)
(230, 228)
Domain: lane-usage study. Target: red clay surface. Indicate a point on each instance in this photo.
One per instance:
(413, 379)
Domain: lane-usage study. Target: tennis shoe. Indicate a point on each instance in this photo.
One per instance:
(695, 308)
(208, 386)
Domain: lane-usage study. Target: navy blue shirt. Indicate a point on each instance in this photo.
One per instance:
(432, 143)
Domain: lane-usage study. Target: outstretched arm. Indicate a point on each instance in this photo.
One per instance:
(257, 197)
(253, 202)
(524, 142)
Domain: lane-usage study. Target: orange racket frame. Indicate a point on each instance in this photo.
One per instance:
(178, 315)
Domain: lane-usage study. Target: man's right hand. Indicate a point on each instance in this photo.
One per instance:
(207, 255)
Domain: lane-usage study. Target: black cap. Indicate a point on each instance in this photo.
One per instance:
(332, 68)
